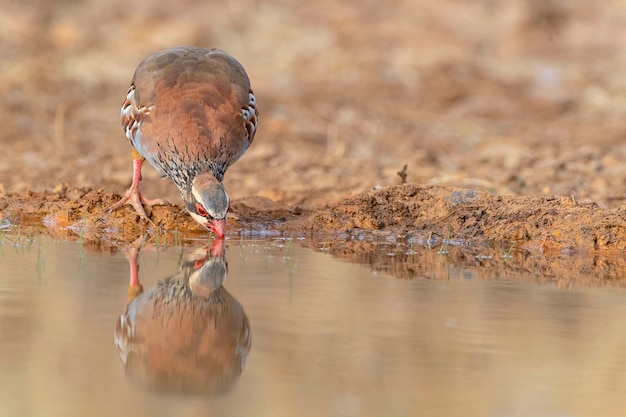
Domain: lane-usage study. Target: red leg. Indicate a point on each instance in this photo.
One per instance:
(134, 287)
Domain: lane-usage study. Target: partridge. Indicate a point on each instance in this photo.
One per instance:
(187, 334)
(190, 112)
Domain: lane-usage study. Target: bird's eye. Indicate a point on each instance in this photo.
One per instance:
(201, 211)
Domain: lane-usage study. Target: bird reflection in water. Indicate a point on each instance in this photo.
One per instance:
(187, 334)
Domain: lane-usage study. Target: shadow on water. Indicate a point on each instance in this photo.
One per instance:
(186, 334)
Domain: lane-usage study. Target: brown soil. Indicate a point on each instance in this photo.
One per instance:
(509, 117)
(400, 230)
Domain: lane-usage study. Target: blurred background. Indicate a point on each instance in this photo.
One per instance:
(513, 97)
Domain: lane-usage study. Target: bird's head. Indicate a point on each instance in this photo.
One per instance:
(208, 203)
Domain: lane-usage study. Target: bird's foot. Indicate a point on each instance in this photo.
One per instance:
(135, 199)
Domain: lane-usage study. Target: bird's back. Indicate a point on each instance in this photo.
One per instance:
(190, 110)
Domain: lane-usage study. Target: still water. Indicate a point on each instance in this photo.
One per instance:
(269, 328)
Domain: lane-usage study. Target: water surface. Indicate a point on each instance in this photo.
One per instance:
(325, 338)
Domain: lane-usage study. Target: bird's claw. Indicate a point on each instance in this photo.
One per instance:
(134, 198)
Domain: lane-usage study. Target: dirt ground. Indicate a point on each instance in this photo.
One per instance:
(509, 118)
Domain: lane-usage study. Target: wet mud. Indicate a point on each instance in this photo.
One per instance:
(403, 230)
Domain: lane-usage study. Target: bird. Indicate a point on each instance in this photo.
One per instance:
(186, 334)
(191, 113)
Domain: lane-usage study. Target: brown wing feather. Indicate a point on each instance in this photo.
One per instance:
(190, 108)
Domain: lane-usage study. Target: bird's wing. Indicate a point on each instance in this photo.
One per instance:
(190, 107)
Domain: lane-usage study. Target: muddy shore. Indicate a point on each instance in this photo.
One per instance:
(550, 238)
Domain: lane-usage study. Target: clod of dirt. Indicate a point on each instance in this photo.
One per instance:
(547, 222)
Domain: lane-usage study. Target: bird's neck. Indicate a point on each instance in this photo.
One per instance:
(184, 181)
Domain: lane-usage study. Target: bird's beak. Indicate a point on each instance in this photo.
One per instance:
(218, 227)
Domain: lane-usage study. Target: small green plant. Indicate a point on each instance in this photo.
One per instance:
(291, 264)
(81, 254)
(290, 249)
(142, 242)
(41, 263)
(83, 226)
(157, 239)
(505, 253)
(18, 238)
(178, 244)
(29, 238)
(443, 250)
(242, 254)
(411, 252)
